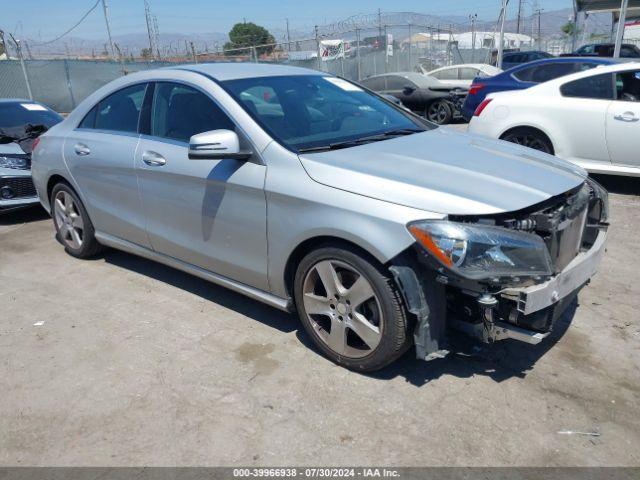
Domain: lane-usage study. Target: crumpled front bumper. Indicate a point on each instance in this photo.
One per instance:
(575, 275)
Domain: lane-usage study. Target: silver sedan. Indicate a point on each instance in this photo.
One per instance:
(311, 194)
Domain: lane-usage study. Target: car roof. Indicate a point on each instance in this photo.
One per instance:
(618, 67)
(223, 71)
(417, 78)
(544, 61)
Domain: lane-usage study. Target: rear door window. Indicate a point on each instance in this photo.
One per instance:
(468, 73)
(119, 112)
(598, 87)
(447, 74)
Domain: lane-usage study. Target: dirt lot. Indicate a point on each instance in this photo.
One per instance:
(119, 361)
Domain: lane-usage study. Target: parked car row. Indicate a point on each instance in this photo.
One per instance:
(591, 118)
(381, 230)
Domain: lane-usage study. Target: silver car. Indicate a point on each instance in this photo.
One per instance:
(310, 194)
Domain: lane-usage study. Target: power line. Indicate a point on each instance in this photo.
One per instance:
(72, 28)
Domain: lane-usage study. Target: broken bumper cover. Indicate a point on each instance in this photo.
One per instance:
(575, 275)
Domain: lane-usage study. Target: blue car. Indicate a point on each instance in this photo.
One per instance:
(527, 75)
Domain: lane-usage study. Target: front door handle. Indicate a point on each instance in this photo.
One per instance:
(81, 149)
(153, 159)
(628, 117)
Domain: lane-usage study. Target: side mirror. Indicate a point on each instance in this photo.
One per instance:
(408, 90)
(217, 145)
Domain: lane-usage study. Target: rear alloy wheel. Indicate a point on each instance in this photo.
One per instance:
(528, 137)
(351, 309)
(73, 226)
(440, 112)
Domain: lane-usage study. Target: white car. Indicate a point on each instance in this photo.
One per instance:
(463, 75)
(590, 118)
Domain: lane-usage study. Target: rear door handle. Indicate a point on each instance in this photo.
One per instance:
(153, 159)
(628, 117)
(81, 149)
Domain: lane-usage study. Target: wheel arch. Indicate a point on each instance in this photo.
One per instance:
(316, 242)
(535, 128)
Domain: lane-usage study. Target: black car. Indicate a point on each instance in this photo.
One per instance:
(606, 50)
(424, 95)
(21, 122)
(513, 59)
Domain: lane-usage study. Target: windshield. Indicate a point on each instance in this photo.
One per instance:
(308, 112)
(18, 114)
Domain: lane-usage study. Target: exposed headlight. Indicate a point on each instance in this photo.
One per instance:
(13, 162)
(601, 193)
(482, 251)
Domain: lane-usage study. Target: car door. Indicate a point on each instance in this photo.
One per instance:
(207, 213)
(581, 112)
(100, 155)
(623, 120)
(406, 91)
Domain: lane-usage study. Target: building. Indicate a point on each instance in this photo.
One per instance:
(466, 40)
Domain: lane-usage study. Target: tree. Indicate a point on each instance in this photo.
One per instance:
(248, 35)
(146, 53)
(569, 29)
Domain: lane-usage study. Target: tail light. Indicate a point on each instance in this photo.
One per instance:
(481, 107)
(35, 143)
(475, 88)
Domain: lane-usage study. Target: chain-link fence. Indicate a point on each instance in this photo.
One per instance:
(349, 51)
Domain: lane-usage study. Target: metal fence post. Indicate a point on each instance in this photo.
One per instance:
(318, 48)
(410, 41)
(69, 87)
(359, 67)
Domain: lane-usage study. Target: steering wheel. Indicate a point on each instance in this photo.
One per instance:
(629, 97)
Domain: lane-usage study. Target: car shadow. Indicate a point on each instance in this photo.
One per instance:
(211, 292)
(24, 215)
(500, 361)
(619, 184)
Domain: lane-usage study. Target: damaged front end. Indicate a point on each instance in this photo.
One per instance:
(502, 276)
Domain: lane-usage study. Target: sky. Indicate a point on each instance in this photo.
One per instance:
(46, 19)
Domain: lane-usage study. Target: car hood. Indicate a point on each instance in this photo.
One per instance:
(443, 171)
(10, 148)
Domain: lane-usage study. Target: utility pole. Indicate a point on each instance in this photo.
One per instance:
(620, 33)
(156, 36)
(24, 68)
(380, 23)
(473, 19)
(105, 9)
(288, 37)
(503, 14)
(147, 17)
(193, 52)
(519, 15)
(539, 13)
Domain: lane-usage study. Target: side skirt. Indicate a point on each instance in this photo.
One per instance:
(284, 304)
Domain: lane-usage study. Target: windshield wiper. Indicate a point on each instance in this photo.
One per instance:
(362, 140)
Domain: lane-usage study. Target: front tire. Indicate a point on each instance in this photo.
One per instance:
(73, 225)
(351, 308)
(439, 112)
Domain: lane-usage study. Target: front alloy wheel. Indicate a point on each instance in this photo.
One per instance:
(343, 309)
(350, 306)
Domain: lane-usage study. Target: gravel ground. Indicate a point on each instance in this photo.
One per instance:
(120, 361)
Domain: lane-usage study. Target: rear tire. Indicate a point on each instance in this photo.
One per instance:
(351, 308)
(74, 229)
(531, 138)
